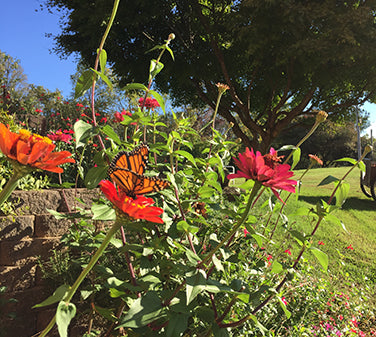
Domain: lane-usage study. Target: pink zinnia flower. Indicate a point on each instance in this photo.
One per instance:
(59, 136)
(265, 169)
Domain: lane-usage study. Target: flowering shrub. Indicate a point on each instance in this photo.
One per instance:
(185, 262)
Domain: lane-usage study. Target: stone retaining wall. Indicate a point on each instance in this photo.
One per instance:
(31, 233)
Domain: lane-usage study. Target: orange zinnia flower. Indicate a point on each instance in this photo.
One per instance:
(32, 150)
(138, 208)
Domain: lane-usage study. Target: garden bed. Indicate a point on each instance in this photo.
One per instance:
(29, 234)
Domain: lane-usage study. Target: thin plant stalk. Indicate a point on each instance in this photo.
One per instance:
(240, 222)
(72, 290)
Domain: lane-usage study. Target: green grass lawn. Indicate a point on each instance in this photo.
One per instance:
(358, 215)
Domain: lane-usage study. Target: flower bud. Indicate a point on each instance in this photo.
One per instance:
(171, 37)
(321, 116)
(368, 149)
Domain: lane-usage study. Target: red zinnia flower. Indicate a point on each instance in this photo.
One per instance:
(32, 150)
(265, 169)
(138, 208)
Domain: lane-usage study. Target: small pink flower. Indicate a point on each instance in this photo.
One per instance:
(350, 247)
(283, 299)
(246, 232)
(287, 251)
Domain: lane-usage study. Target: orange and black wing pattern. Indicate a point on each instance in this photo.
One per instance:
(127, 169)
(134, 161)
(134, 184)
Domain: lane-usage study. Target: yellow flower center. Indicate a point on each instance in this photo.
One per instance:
(33, 138)
(24, 134)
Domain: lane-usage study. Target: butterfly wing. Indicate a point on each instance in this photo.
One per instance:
(135, 184)
(134, 161)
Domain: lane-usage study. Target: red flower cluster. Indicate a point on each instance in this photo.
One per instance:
(138, 208)
(60, 136)
(150, 103)
(266, 169)
(119, 116)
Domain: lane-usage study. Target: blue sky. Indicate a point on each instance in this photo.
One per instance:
(23, 27)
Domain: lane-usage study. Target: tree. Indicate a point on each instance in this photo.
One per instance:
(281, 58)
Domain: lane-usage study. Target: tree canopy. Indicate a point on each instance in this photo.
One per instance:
(280, 58)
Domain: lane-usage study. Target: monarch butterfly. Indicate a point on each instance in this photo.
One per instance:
(127, 168)
(134, 161)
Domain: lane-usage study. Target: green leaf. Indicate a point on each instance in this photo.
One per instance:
(155, 68)
(287, 147)
(277, 267)
(184, 226)
(362, 166)
(95, 175)
(159, 99)
(161, 46)
(84, 83)
(342, 193)
(177, 324)
(82, 132)
(284, 308)
(195, 284)
(143, 311)
(349, 160)
(295, 157)
(321, 256)
(217, 263)
(64, 314)
(219, 332)
(258, 238)
(328, 180)
(109, 132)
(57, 296)
(171, 52)
(103, 212)
(206, 192)
(187, 156)
(135, 86)
(259, 325)
(102, 59)
(103, 77)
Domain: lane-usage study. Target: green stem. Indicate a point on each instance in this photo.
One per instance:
(84, 273)
(11, 185)
(253, 194)
(314, 127)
